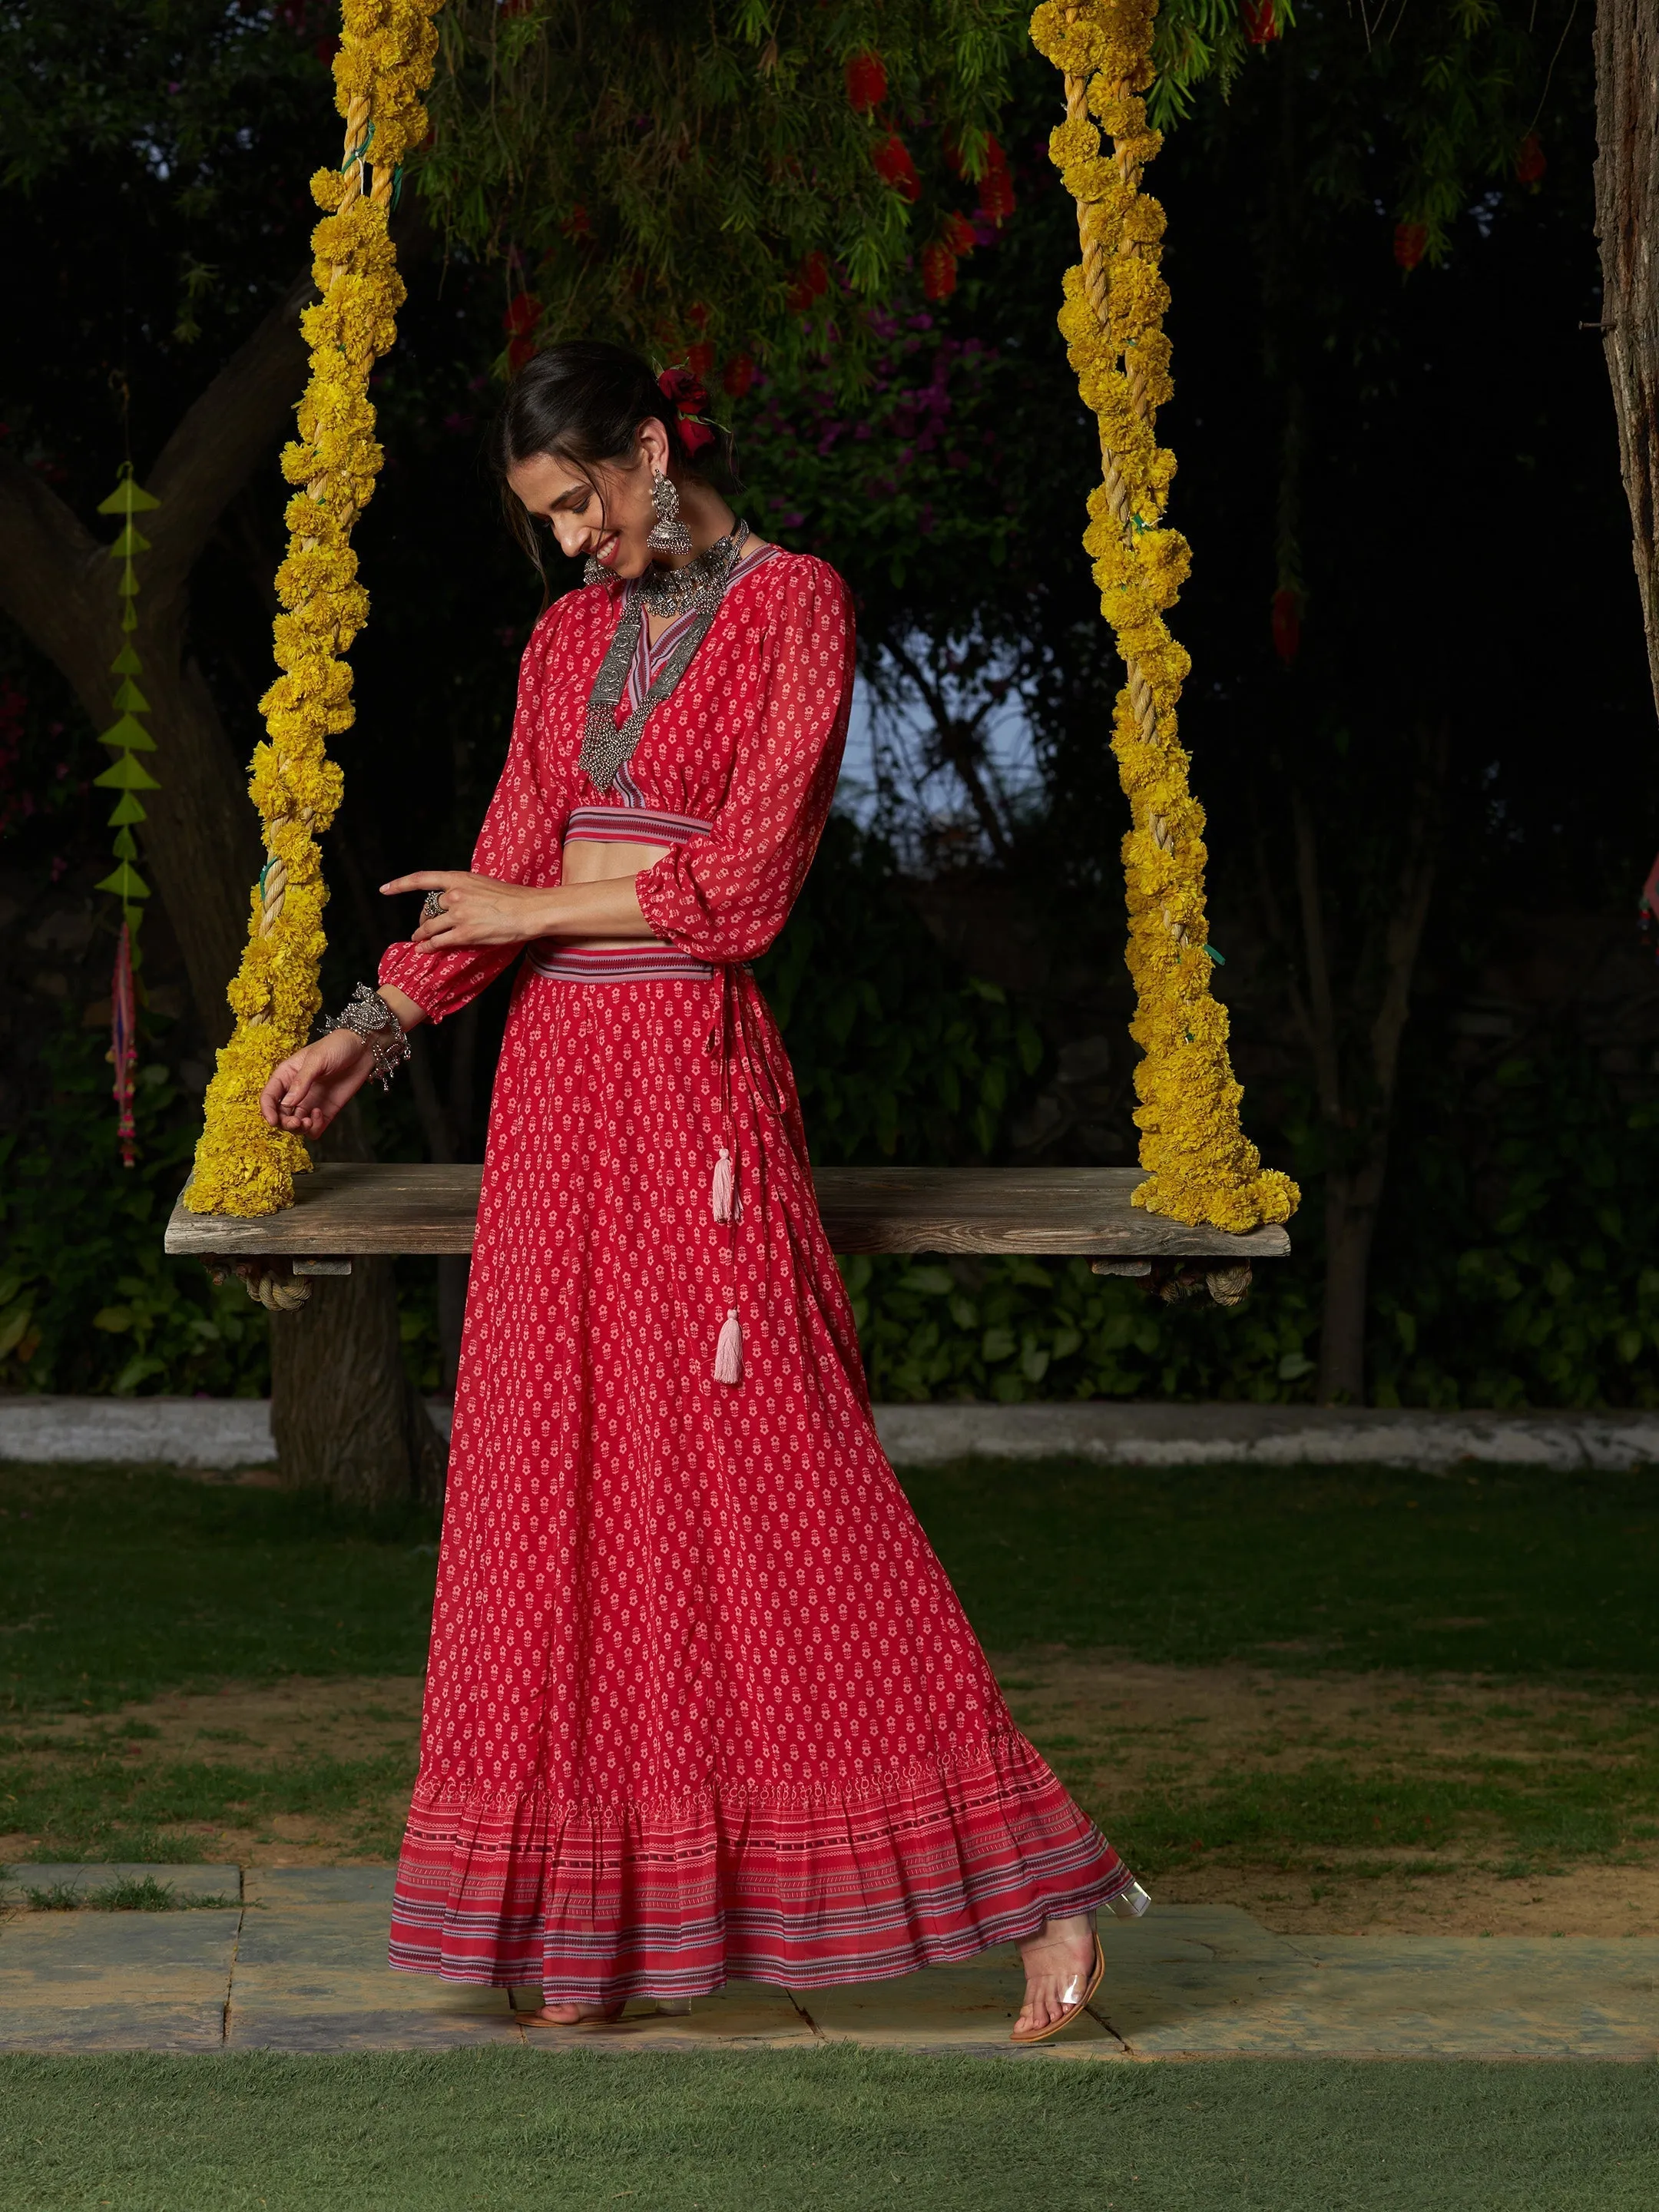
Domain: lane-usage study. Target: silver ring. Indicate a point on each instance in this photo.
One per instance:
(433, 903)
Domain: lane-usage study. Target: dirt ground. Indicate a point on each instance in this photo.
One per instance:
(1131, 1726)
(1116, 1729)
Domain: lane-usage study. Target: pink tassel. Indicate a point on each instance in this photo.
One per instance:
(728, 1206)
(728, 1352)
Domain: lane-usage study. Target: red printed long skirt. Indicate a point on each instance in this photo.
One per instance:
(701, 1702)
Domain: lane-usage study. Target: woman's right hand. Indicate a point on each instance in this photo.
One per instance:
(309, 1088)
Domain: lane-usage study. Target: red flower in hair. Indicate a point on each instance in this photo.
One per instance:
(866, 83)
(895, 167)
(695, 435)
(1411, 243)
(683, 389)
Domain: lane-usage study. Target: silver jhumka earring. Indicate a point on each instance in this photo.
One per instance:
(668, 533)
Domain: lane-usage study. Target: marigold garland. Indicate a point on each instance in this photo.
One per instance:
(1200, 1165)
(383, 66)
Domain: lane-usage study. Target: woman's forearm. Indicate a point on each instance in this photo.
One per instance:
(609, 907)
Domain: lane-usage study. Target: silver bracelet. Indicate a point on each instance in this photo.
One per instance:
(367, 1015)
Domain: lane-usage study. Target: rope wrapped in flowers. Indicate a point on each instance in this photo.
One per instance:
(383, 66)
(1200, 1167)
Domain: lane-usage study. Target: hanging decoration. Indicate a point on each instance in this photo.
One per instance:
(1200, 1167)
(126, 776)
(383, 66)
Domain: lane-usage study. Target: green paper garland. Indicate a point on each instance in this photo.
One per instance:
(127, 737)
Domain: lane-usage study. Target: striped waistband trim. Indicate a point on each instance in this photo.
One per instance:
(621, 964)
(606, 825)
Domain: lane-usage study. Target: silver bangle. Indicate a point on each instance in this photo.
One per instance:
(367, 1015)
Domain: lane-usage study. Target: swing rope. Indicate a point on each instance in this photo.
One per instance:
(384, 65)
(1200, 1168)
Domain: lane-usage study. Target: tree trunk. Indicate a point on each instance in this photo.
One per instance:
(1627, 225)
(1352, 1201)
(344, 1415)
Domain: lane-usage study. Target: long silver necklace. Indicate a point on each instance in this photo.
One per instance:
(696, 589)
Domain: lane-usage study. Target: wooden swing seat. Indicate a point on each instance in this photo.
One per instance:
(344, 1211)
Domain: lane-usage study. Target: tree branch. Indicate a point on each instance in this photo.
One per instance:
(222, 438)
(45, 554)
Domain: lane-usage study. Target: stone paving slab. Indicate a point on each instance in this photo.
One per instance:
(970, 2008)
(86, 1876)
(1210, 1995)
(277, 1887)
(314, 1977)
(116, 1981)
(302, 1967)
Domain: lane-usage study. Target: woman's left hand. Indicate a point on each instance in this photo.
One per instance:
(476, 910)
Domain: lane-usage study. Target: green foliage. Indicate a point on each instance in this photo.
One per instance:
(902, 484)
(89, 1301)
(668, 175)
(1018, 1329)
(896, 1056)
(675, 178)
(1518, 1264)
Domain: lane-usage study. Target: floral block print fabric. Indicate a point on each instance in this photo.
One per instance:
(702, 1701)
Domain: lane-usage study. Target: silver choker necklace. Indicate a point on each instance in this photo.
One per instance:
(676, 590)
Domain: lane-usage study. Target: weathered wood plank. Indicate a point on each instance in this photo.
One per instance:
(354, 1208)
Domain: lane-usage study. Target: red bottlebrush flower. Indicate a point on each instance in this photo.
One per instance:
(938, 270)
(1411, 241)
(1529, 163)
(697, 315)
(959, 236)
(866, 83)
(895, 167)
(739, 377)
(996, 194)
(520, 322)
(577, 223)
(700, 359)
(811, 282)
(1261, 24)
(1287, 624)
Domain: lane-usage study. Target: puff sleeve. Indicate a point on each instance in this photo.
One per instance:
(725, 897)
(520, 842)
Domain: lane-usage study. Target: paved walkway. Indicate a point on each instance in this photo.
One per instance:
(297, 1962)
(235, 1433)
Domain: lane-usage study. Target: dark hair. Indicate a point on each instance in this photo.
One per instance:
(583, 402)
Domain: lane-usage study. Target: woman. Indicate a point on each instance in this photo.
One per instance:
(700, 1700)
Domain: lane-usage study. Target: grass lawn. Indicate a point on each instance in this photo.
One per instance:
(840, 2130)
(1424, 1597)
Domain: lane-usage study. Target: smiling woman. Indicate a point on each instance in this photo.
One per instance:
(701, 1700)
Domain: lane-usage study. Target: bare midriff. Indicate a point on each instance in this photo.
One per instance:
(588, 860)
